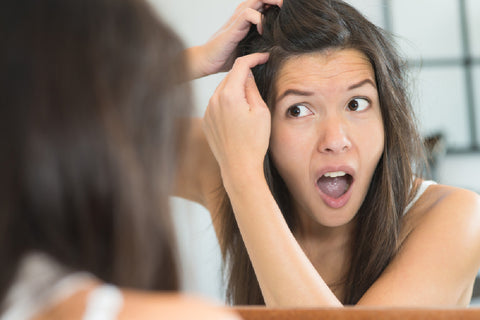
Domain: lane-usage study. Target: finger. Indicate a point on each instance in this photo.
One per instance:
(258, 7)
(218, 90)
(237, 77)
(260, 26)
(236, 14)
(274, 2)
(241, 67)
(252, 94)
(249, 16)
(258, 4)
(250, 11)
(253, 16)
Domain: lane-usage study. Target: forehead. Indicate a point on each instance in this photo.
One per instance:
(329, 69)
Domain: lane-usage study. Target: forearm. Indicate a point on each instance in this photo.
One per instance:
(195, 60)
(287, 278)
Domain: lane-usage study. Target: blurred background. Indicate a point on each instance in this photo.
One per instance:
(440, 41)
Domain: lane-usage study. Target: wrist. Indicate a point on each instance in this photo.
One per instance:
(244, 178)
(195, 59)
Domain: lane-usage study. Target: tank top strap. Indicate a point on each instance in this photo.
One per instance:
(104, 303)
(421, 189)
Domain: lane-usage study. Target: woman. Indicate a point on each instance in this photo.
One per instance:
(337, 212)
(87, 162)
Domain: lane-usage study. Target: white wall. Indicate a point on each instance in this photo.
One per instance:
(196, 21)
(433, 31)
(461, 171)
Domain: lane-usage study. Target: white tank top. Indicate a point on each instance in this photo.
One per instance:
(421, 189)
(103, 303)
(41, 283)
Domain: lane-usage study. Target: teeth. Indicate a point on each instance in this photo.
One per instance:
(334, 174)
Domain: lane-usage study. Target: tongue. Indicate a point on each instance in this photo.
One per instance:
(333, 187)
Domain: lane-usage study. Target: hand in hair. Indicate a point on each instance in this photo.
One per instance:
(237, 121)
(218, 54)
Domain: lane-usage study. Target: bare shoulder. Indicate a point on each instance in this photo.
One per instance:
(447, 213)
(447, 205)
(144, 305)
(439, 252)
(448, 195)
(141, 305)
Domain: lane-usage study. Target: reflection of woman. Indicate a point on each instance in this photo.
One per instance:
(338, 215)
(86, 172)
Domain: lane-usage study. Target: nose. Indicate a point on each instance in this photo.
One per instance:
(333, 136)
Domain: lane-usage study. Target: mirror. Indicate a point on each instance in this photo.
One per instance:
(441, 41)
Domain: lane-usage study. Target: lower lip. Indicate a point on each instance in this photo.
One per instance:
(336, 203)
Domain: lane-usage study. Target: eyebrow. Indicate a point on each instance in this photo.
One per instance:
(294, 92)
(297, 92)
(362, 83)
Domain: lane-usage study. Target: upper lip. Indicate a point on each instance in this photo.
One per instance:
(335, 168)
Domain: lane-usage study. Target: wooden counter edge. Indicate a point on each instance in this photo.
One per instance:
(357, 313)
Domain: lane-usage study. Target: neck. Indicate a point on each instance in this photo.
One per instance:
(309, 230)
(328, 249)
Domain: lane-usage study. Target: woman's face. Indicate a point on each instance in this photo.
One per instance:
(327, 133)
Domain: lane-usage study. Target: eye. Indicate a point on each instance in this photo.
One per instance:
(298, 111)
(358, 104)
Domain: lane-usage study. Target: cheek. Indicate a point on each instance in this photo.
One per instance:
(288, 149)
(280, 144)
(380, 136)
(373, 139)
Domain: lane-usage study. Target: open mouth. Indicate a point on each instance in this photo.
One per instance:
(335, 184)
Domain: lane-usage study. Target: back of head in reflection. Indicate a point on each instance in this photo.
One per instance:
(89, 98)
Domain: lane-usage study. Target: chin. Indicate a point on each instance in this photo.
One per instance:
(336, 222)
(334, 218)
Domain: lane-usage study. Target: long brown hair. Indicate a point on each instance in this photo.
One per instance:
(305, 26)
(89, 98)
